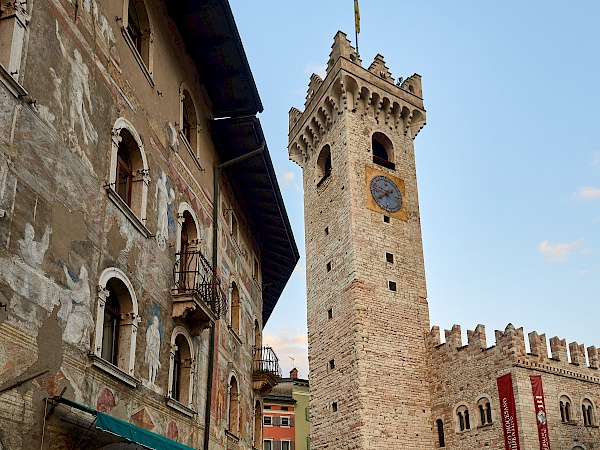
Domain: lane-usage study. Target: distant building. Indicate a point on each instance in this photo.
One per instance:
(143, 238)
(380, 377)
(286, 417)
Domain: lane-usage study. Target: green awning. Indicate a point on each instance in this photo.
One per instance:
(126, 430)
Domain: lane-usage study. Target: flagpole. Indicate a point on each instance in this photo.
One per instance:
(356, 24)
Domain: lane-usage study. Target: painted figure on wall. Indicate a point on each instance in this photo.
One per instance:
(31, 251)
(164, 197)
(80, 101)
(79, 316)
(152, 355)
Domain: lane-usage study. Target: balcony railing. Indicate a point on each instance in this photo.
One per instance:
(193, 275)
(266, 362)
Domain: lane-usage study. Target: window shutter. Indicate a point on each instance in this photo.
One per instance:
(307, 412)
(277, 445)
(291, 445)
(307, 441)
(291, 421)
(276, 422)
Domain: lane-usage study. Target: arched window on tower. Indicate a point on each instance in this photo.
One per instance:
(440, 430)
(383, 150)
(323, 170)
(485, 411)
(462, 414)
(587, 412)
(565, 409)
(257, 424)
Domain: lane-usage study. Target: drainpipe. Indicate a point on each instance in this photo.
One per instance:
(211, 356)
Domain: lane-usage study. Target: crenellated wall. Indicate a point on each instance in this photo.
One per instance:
(461, 376)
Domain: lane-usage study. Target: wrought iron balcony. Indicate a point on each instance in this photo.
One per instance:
(198, 296)
(266, 370)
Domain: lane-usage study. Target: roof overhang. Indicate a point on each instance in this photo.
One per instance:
(255, 186)
(212, 40)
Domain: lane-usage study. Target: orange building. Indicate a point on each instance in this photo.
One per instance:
(279, 419)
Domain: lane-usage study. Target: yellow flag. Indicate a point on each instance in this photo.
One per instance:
(356, 16)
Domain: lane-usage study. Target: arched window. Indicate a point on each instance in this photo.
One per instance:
(181, 374)
(138, 31)
(587, 412)
(257, 424)
(440, 430)
(234, 407)
(110, 326)
(129, 174)
(463, 421)
(116, 321)
(189, 122)
(383, 150)
(565, 409)
(235, 307)
(187, 268)
(485, 411)
(323, 169)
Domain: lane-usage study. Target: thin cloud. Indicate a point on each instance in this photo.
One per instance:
(299, 270)
(588, 193)
(320, 70)
(288, 179)
(291, 347)
(558, 252)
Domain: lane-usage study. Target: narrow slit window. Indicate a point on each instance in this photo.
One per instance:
(389, 257)
(392, 285)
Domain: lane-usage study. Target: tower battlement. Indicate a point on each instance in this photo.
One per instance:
(510, 343)
(349, 86)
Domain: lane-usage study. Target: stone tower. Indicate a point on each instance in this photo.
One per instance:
(367, 300)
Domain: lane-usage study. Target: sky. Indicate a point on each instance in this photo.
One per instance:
(508, 164)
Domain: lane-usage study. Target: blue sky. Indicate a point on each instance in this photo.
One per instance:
(508, 164)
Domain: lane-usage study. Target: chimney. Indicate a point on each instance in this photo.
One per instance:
(294, 373)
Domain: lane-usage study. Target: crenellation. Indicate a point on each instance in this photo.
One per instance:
(433, 337)
(315, 83)
(476, 338)
(413, 85)
(558, 348)
(538, 345)
(577, 352)
(592, 357)
(342, 48)
(454, 337)
(379, 68)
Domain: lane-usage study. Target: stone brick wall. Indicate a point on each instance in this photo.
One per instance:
(370, 387)
(462, 375)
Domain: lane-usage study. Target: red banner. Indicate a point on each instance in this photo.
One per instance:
(509, 412)
(540, 411)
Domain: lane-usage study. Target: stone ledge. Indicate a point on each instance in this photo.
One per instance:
(126, 210)
(113, 371)
(180, 407)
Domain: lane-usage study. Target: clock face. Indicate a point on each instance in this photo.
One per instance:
(386, 193)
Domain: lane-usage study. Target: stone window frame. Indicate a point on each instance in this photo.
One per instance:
(235, 308)
(128, 332)
(189, 369)
(324, 166)
(271, 442)
(462, 418)
(565, 408)
(233, 405)
(484, 410)
(192, 144)
(194, 242)
(14, 17)
(136, 213)
(589, 413)
(258, 424)
(145, 58)
(381, 139)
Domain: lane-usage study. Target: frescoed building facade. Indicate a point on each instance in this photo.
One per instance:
(143, 242)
